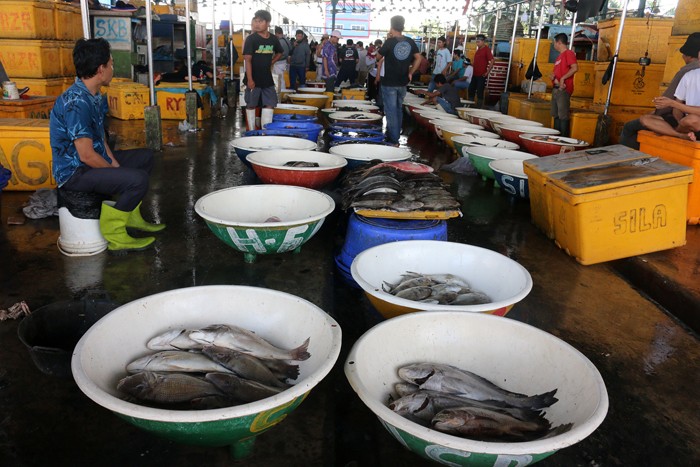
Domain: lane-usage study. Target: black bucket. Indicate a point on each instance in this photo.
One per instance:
(51, 332)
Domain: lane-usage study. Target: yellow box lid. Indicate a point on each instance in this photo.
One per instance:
(24, 124)
(620, 174)
(581, 159)
(26, 101)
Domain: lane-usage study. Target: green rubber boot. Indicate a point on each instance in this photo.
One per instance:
(135, 221)
(113, 228)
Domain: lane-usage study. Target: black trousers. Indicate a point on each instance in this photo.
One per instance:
(129, 181)
(476, 87)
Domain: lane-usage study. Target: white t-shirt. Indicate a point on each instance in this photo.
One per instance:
(442, 58)
(468, 72)
(688, 89)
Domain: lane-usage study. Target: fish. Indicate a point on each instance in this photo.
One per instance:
(371, 203)
(406, 205)
(242, 340)
(406, 284)
(243, 365)
(453, 380)
(426, 404)
(282, 370)
(482, 423)
(175, 339)
(166, 387)
(300, 164)
(175, 360)
(415, 293)
(471, 298)
(404, 389)
(241, 388)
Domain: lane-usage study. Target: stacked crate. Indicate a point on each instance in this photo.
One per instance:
(36, 44)
(685, 22)
(634, 85)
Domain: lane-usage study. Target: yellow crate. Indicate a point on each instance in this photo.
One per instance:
(576, 103)
(686, 18)
(66, 55)
(25, 149)
(539, 170)
(583, 123)
(68, 21)
(127, 101)
(515, 100)
(629, 86)
(162, 9)
(524, 51)
(680, 152)
(354, 94)
(26, 19)
(30, 58)
(619, 115)
(584, 78)
(33, 107)
(171, 100)
(536, 110)
(620, 210)
(637, 34)
(674, 58)
(41, 86)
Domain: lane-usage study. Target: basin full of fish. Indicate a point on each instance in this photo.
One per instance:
(384, 187)
(461, 403)
(213, 367)
(435, 289)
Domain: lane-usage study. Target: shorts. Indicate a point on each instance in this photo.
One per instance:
(560, 104)
(253, 97)
(670, 119)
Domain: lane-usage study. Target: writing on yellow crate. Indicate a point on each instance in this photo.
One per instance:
(640, 220)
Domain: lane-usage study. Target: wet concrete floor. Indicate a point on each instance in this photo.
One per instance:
(649, 360)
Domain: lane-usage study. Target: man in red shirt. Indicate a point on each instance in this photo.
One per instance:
(483, 61)
(562, 83)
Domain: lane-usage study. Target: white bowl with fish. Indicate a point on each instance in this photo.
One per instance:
(284, 320)
(516, 356)
(357, 154)
(379, 269)
(355, 117)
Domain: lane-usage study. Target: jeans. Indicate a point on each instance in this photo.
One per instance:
(628, 136)
(464, 84)
(393, 110)
(297, 72)
(446, 105)
(431, 84)
(330, 84)
(129, 180)
(476, 88)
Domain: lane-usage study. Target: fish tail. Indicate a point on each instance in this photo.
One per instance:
(541, 401)
(291, 372)
(300, 352)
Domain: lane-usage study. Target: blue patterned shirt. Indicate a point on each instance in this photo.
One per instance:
(76, 114)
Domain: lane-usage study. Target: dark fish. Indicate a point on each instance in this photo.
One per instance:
(415, 294)
(301, 164)
(481, 423)
(471, 298)
(371, 204)
(453, 380)
(406, 205)
(282, 369)
(240, 388)
(245, 366)
(166, 387)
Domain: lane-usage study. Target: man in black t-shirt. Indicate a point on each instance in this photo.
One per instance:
(260, 51)
(401, 58)
(348, 63)
(446, 95)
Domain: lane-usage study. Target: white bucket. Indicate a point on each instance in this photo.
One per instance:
(79, 237)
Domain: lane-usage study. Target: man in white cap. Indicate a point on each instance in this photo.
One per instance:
(330, 60)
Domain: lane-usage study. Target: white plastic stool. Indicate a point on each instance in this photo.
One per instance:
(79, 237)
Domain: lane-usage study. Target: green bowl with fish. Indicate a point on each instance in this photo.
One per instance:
(514, 355)
(101, 356)
(264, 219)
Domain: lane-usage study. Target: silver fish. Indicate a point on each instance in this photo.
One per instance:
(166, 388)
(175, 360)
(243, 365)
(415, 293)
(404, 389)
(281, 369)
(406, 284)
(480, 423)
(176, 339)
(405, 205)
(471, 298)
(450, 379)
(240, 388)
(242, 340)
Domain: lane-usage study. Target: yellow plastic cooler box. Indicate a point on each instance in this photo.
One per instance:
(41, 86)
(171, 99)
(620, 210)
(26, 19)
(31, 107)
(539, 170)
(680, 152)
(127, 101)
(25, 149)
(30, 58)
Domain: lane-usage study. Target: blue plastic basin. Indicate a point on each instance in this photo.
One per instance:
(366, 232)
(310, 129)
(294, 118)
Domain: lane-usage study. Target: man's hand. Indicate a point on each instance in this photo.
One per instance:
(663, 102)
(251, 84)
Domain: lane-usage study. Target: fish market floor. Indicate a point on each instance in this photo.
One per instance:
(649, 360)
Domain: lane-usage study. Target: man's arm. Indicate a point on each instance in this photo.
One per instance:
(89, 157)
(661, 102)
(275, 58)
(414, 66)
(573, 68)
(248, 59)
